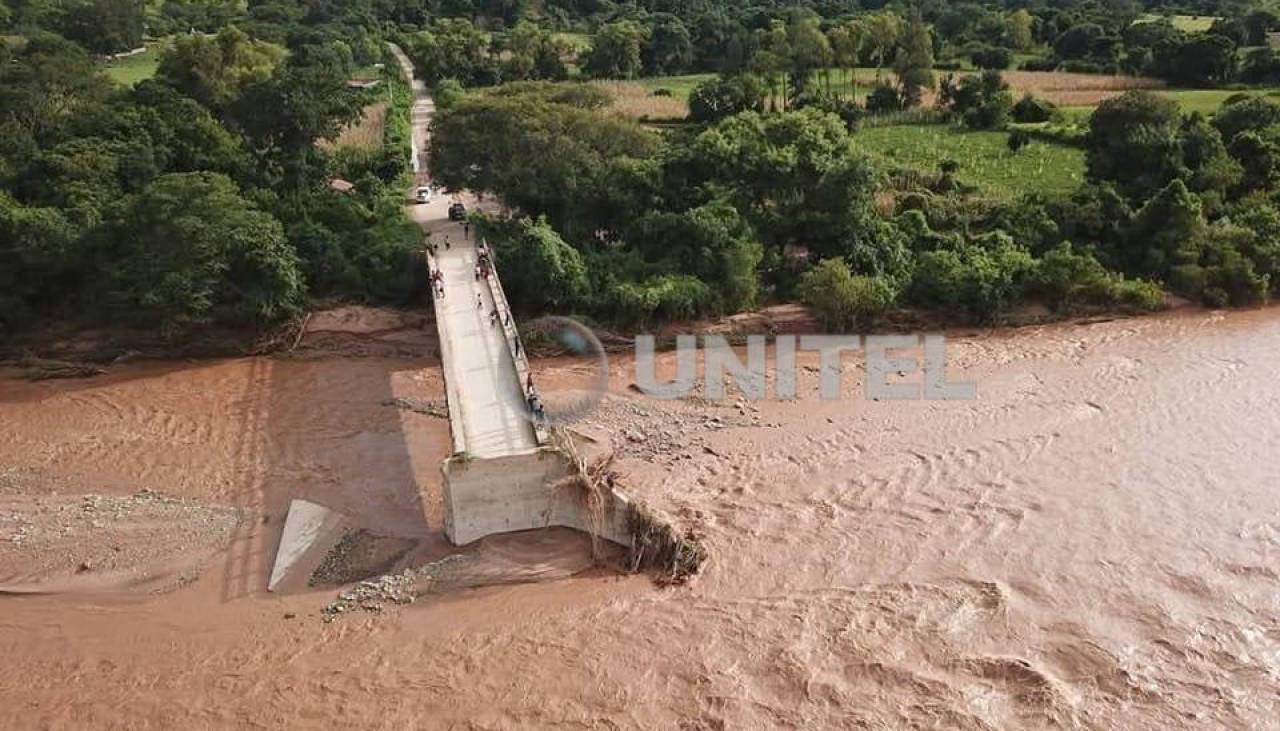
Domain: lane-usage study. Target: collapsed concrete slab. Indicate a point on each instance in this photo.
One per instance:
(310, 532)
(538, 489)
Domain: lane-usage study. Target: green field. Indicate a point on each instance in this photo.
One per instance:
(1205, 101)
(984, 158)
(132, 69)
(1185, 23)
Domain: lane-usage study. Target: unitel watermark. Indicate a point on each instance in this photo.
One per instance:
(885, 356)
(890, 361)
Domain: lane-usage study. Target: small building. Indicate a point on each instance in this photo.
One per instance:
(363, 83)
(342, 186)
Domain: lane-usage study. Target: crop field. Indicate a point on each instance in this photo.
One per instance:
(984, 158)
(132, 69)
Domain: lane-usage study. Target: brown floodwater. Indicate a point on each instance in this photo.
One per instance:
(1094, 542)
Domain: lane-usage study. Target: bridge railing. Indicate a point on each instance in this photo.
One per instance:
(512, 336)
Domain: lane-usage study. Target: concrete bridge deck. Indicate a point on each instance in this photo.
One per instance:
(503, 475)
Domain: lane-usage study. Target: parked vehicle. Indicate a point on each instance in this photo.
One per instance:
(423, 194)
(457, 212)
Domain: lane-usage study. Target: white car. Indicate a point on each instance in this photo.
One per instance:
(423, 194)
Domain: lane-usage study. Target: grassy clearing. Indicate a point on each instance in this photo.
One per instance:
(984, 158)
(635, 100)
(132, 69)
(679, 86)
(1185, 23)
(365, 133)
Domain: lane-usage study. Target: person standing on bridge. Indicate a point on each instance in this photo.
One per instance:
(479, 301)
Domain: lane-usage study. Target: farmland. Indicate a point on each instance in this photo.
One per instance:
(983, 156)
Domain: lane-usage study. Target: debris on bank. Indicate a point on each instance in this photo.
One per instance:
(396, 589)
(436, 408)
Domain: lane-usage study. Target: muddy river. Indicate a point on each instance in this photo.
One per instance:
(1093, 542)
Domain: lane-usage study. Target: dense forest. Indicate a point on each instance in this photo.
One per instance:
(198, 196)
(202, 194)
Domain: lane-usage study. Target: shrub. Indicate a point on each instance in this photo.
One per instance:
(1077, 66)
(1039, 64)
(1030, 110)
(447, 92)
(981, 102)
(660, 92)
(1018, 139)
(976, 281)
(1066, 279)
(843, 107)
(884, 98)
(843, 301)
(991, 57)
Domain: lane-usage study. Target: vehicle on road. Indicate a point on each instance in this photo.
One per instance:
(422, 194)
(457, 212)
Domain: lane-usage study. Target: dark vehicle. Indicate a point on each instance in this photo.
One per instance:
(457, 212)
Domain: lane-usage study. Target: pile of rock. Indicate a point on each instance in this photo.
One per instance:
(373, 595)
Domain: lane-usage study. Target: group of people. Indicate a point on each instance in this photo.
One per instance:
(531, 396)
(483, 270)
(434, 248)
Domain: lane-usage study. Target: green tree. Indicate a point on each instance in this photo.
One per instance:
(41, 259)
(914, 62)
(213, 70)
(668, 47)
(1133, 141)
(584, 171)
(715, 99)
(981, 102)
(103, 26)
(540, 272)
(772, 60)
(798, 181)
(1166, 233)
(191, 251)
(883, 29)
(712, 242)
(615, 51)
(1252, 113)
(1018, 26)
(451, 48)
(846, 41)
(809, 51)
(285, 115)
